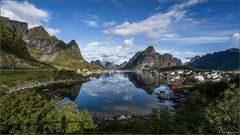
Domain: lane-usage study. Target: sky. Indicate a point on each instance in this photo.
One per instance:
(114, 30)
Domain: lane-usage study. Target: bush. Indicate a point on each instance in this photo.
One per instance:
(28, 112)
(65, 118)
(161, 121)
(223, 114)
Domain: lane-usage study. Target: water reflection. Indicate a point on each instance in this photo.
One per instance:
(63, 91)
(115, 93)
(146, 81)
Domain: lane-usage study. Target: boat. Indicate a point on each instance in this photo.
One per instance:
(164, 92)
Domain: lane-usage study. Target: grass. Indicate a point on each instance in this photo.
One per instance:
(35, 54)
(16, 78)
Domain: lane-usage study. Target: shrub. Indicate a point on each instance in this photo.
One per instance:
(28, 112)
(223, 114)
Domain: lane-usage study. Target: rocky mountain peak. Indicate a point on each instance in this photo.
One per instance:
(73, 44)
(150, 59)
(194, 59)
(150, 49)
(234, 50)
(38, 32)
(167, 56)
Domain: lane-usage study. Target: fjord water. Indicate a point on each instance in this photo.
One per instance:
(116, 93)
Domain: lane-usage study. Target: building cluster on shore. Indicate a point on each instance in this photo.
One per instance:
(177, 77)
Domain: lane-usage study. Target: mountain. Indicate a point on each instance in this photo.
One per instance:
(51, 50)
(20, 27)
(194, 59)
(223, 60)
(14, 53)
(149, 59)
(123, 64)
(105, 64)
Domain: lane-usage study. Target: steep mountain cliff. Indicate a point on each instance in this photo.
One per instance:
(149, 59)
(50, 50)
(14, 53)
(223, 60)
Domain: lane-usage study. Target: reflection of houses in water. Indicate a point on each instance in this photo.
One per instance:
(176, 84)
(70, 92)
(146, 81)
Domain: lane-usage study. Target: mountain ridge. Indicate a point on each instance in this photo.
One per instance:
(221, 60)
(14, 53)
(51, 50)
(150, 59)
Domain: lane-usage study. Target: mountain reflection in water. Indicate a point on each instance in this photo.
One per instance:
(115, 93)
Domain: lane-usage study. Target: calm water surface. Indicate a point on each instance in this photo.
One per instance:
(116, 93)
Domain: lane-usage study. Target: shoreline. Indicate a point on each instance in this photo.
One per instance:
(37, 85)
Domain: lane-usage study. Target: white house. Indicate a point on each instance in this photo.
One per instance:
(199, 78)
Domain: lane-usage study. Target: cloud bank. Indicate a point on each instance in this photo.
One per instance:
(110, 50)
(154, 26)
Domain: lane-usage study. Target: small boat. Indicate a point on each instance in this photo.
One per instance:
(164, 92)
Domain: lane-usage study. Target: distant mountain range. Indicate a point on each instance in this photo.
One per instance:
(35, 48)
(150, 59)
(107, 65)
(223, 60)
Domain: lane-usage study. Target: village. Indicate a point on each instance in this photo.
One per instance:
(179, 77)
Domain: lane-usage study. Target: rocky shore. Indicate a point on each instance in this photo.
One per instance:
(104, 116)
(37, 84)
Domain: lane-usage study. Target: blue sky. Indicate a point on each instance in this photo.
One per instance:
(115, 30)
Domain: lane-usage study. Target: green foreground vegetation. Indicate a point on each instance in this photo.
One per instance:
(211, 108)
(28, 112)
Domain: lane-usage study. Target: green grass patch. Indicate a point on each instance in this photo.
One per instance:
(12, 79)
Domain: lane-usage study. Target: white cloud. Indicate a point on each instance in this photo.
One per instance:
(198, 40)
(154, 26)
(128, 42)
(52, 31)
(109, 51)
(26, 12)
(108, 24)
(90, 23)
(236, 36)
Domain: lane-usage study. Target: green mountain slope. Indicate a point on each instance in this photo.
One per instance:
(50, 50)
(14, 53)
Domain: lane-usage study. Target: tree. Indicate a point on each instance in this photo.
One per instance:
(28, 112)
(65, 118)
(223, 114)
